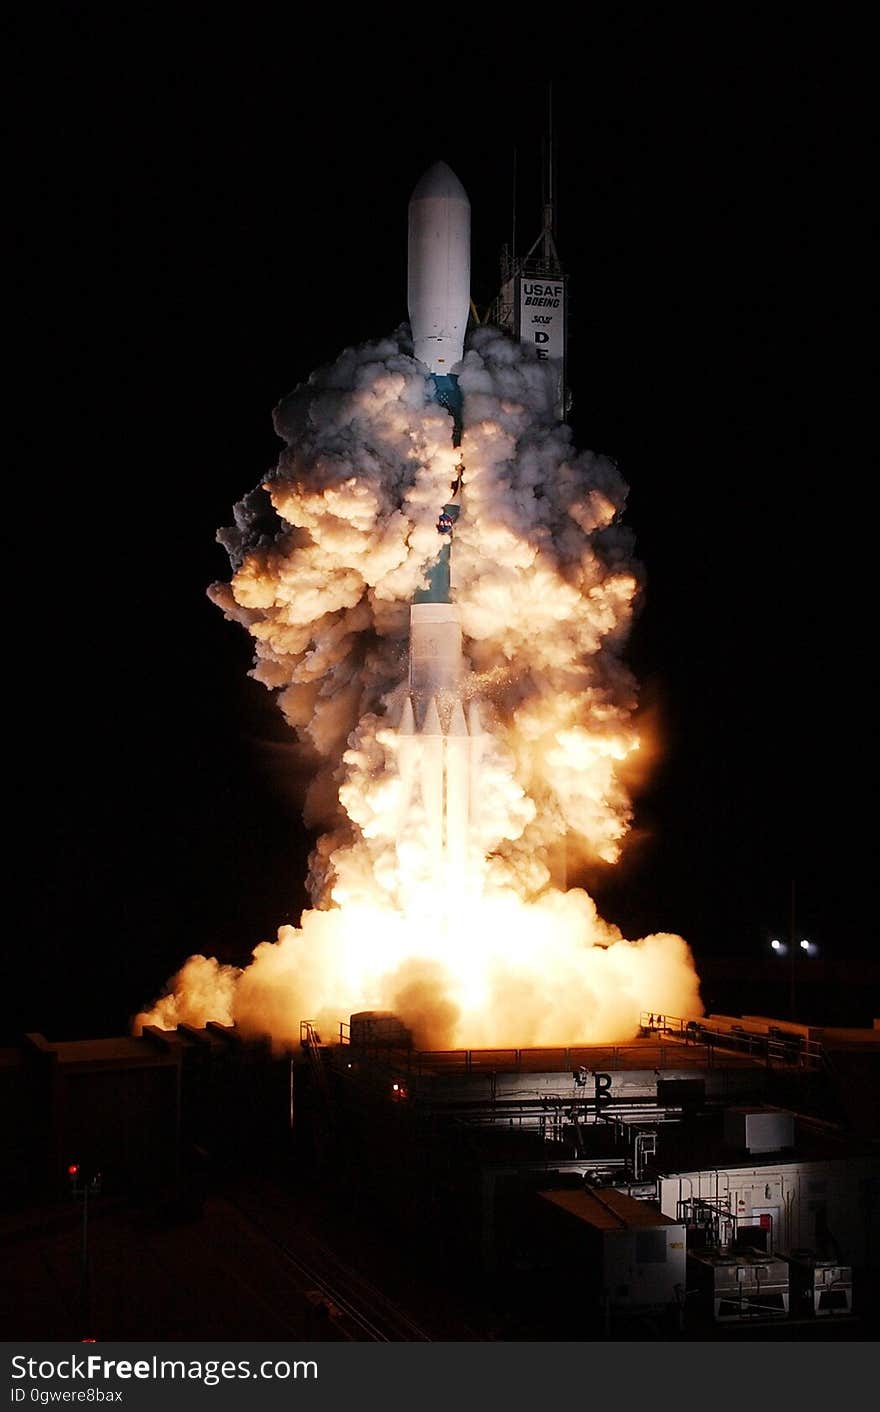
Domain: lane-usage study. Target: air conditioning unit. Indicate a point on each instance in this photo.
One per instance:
(758, 1129)
(379, 1029)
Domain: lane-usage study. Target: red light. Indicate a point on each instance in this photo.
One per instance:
(72, 1169)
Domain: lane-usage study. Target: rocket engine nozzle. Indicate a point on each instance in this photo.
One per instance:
(439, 764)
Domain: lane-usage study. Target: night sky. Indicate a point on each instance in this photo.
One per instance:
(202, 212)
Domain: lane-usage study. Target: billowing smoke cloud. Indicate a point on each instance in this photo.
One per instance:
(327, 556)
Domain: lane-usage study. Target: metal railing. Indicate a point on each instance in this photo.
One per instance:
(772, 1044)
(588, 1058)
(674, 1036)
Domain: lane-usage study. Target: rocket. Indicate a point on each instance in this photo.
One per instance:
(440, 741)
(438, 295)
(439, 269)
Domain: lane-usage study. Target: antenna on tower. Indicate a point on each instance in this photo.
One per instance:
(513, 215)
(549, 249)
(546, 239)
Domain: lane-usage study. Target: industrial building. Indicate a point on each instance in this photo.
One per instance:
(730, 1130)
(705, 1179)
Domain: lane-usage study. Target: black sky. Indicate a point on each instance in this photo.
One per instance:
(201, 212)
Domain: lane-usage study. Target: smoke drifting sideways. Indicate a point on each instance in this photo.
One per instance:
(327, 555)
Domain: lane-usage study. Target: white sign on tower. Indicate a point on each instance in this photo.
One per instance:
(540, 323)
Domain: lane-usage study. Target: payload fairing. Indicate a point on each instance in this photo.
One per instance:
(439, 268)
(439, 744)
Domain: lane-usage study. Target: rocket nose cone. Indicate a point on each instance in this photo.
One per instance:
(439, 180)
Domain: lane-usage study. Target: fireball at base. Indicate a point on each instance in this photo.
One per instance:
(499, 973)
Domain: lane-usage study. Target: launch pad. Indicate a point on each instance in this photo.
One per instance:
(672, 1065)
(737, 1146)
(730, 1127)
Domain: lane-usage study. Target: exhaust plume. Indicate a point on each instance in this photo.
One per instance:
(480, 946)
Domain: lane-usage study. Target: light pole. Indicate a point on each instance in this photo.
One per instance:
(82, 1184)
(793, 948)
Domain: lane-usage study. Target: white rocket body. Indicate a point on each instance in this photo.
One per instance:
(439, 746)
(434, 648)
(439, 268)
